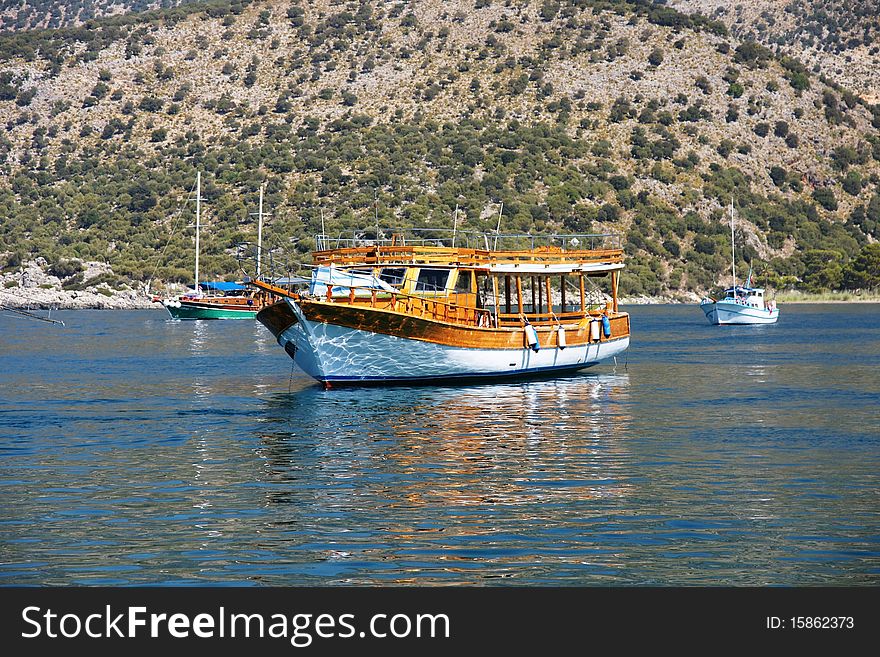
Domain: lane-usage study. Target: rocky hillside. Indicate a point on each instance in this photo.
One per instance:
(68, 285)
(35, 14)
(836, 38)
(588, 115)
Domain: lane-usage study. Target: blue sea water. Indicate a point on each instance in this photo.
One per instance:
(139, 450)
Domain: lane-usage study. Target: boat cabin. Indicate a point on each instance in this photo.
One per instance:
(752, 297)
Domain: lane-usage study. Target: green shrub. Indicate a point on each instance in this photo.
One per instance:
(825, 197)
(778, 175)
(852, 183)
(656, 57)
(66, 268)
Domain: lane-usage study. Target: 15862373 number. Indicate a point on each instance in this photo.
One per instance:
(822, 622)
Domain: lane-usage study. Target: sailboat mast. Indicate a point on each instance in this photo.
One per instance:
(198, 217)
(732, 249)
(260, 232)
(498, 228)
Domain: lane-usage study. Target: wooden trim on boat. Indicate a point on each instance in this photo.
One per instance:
(277, 317)
(459, 257)
(405, 325)
(519, 298)
(615, 277)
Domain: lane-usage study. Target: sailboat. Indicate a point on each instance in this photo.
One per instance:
(220, 299)
(742, 304)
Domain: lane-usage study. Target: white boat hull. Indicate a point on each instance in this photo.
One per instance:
(337, 354)
(730, 312)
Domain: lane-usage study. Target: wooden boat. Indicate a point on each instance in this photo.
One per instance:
(217, 300)
(421, 311)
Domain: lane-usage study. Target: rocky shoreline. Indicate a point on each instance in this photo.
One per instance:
(32, 287)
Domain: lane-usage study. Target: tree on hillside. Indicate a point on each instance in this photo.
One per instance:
(863, 273)
(822, 270)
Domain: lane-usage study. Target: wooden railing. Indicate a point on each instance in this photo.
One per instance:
(425, 307)
(425, 255)
(435, 309)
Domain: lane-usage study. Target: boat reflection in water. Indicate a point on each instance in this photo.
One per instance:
(445, 479)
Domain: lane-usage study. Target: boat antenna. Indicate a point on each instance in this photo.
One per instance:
(454, 224)
(376, 212)
(323, 234)
(732, 248)
(498, 229)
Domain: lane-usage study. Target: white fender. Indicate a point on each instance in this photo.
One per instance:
(532, 337)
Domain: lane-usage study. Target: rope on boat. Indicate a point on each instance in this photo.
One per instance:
(170, 236)
(26, 313)
(29, 315)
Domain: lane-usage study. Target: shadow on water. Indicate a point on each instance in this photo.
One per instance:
(490, 437)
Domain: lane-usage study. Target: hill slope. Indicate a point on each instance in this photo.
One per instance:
(34, 14)
(837, 38)
(577, 116)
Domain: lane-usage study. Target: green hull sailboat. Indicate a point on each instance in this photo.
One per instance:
(216, 300)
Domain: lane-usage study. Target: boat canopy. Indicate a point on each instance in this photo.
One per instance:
(221, 286)
(292, 280)
(741, 290)
(334, 277)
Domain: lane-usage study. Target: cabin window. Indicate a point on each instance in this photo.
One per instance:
(432, 280)
(393, 275)
(463, 282)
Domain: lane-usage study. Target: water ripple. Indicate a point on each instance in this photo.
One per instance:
(191, 454)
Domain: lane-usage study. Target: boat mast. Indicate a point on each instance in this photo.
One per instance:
(260, 231)
(498, 228)
(732, 248)
(198, 212)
